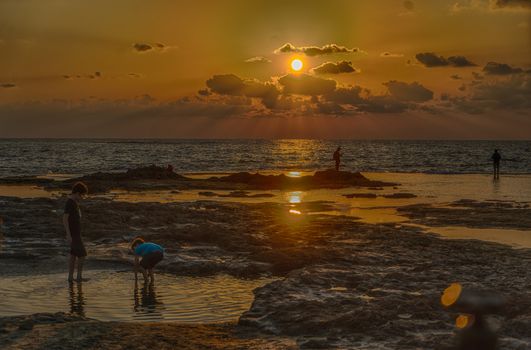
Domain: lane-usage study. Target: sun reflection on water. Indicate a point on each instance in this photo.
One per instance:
(294, 174)
(295, 197)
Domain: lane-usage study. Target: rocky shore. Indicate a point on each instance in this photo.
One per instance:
(343, 283)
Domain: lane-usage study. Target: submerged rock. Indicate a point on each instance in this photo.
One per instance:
(399, 195)
(360, 195)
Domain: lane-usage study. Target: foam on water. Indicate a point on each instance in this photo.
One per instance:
(114, 296)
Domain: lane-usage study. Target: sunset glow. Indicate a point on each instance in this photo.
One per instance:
(296, 65)
(189, 70)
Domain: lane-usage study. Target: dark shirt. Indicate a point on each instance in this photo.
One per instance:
(74, 218)
(496, 157)
(336, 156)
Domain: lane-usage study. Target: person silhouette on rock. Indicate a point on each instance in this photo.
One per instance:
(337, 157)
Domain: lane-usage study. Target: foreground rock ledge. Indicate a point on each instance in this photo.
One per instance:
(62, 331)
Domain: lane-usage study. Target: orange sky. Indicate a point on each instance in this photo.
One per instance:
(386, 69)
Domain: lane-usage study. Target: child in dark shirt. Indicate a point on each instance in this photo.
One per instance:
(72, 224)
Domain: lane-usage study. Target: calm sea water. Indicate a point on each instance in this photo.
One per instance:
(39, 157)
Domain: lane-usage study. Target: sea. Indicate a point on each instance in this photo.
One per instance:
(28, 157)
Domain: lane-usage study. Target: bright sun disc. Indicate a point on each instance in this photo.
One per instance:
(296, 65)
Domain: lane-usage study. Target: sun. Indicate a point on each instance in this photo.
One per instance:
(296, 65)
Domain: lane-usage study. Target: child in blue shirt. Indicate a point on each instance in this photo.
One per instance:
(151, 255)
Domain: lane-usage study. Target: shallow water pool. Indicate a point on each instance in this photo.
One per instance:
(115, 296)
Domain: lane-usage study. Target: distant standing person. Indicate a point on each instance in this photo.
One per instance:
(337, 157)
(496, 157)
(72, 224)
(151, 255)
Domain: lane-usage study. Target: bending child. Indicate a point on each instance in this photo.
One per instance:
(151, 255)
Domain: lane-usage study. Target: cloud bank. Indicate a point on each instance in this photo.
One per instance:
(315, 50)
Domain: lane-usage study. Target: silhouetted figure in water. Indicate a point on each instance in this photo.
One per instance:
(72, 224)
(145, 299)
(496, 157)
(77, 300)
(169, 168)
(337, 157)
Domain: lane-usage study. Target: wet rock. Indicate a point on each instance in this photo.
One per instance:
(236, 194)
(321, 179)
(208, 194)
(471, 213)
(26, 325)
(360, 195)
(400, 195)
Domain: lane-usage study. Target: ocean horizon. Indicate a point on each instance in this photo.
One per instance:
(29, 157)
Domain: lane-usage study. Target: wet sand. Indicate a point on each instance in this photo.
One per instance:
(340, 282)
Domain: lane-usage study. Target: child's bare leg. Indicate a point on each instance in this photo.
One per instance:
(80, 261)
(144, 273)
(151, 275)
(71, 264)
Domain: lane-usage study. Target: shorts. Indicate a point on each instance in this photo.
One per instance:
(150, 260)
(77, 248)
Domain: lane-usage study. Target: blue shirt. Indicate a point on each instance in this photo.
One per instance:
(148, 247)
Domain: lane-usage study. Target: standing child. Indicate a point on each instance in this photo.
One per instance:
(151, 255)
(72, 224)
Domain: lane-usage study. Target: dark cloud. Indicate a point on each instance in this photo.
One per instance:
(494, 68)
(304, 84)
(7, 85)
(362, 100)
(455, 76)
(391, 55)
(142, 47)
(462, 87)
(382, 104)
(511, 3)
(134, 75)
(408, 5)
(145, 47)
(460, 61)
(315, 50)
(335, 68)
(204, 92)
(430, 59)
(95, 75)
(414, 92)
(507, 94)
(329, 108)
(230, 84)
(346, 96)
(226, 84)
(258, 59)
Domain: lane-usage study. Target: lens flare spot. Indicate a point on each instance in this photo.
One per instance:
(463, 321)
(451, 294)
